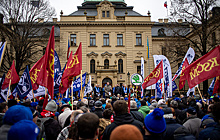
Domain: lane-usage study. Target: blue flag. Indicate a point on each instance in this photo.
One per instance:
(174, 85)
(2, 50)
(57, 79)
(24, 85)
(57, 67)
(77, 83)
(211, 87)
(159, 89)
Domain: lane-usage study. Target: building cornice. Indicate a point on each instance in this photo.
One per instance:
(116, 23)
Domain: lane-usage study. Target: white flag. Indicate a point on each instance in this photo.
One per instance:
(166, 71)
(40, 91)
(4, 93)
(191, 90)
(88, 87)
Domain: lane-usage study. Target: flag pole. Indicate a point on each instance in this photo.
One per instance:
(81, 93)
(45, 92)
(33, 93)
(3, 53)
(200, 95)
(163, 89)
(155, 93)
(72, 94)
(9, 89)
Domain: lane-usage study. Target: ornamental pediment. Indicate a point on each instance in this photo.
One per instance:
(120, 54)
(92, 54)
(106, 54)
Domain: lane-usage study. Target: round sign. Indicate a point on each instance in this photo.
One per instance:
(136, 79)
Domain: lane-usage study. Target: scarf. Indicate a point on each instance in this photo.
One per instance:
(46, 113)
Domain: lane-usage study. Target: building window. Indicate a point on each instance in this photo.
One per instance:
(92, 66)
(92, 39)
(138, 39)
(120, 39)
(139, 69)
(107, 14)
(73, 39)
(106, 39)
(103, 13)
(120, 66)
(106, 64)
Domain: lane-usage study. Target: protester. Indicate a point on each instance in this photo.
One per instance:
(144, 109)
(24, 129)
(135, 113)
(192, 123)
(105, 121)
(98, 109)
(63, 116)
(121, 117)
(108, 89)
(126, 132)
(154, 125)
(13, 115)
(3, 109)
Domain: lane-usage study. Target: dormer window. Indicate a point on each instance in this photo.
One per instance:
(105, 14)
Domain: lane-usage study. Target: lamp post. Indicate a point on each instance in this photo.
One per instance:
(128, 74)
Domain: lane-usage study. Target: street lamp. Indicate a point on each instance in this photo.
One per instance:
(128, 74)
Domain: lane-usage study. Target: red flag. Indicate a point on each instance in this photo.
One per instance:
(165, 4)
(217, 85)
(204, 68)
(154, 76)
(182, 79)
(35, 71)
(129, 104)
(46, 75)
(11, 75)
(73, 68)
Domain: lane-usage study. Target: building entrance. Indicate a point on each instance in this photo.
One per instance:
(105, 80)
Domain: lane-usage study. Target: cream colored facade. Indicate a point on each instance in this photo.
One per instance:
(129, 51)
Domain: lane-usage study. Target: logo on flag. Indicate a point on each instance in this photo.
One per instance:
(77, 83)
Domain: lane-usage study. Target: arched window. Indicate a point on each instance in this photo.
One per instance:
(120, 66)
(92, 66)
(106, 64)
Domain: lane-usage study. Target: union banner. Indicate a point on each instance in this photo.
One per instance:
(182, 79)
(204, 68)
(154, 76)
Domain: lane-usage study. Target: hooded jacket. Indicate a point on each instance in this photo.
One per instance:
(144, 110)
(171, 126)
(182, 133)
(193, 125)
(120, 120)
(137, 115)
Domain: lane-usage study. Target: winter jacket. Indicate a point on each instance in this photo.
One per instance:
(171, 126)
(120, 120)
(137, 115)
(205, 133)
(63, 116)
(118, 90)
(4, 131)
(98, 112)
(1, 118)
(153, 137)
(193, 125)
(182, 133)
(107, 90)
(215, 134)
(144, 110)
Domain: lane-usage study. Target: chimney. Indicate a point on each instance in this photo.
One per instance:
(54, 20)
(160, 20)
(166, 20)
(40, 20)
(180, 20)
(1, 18)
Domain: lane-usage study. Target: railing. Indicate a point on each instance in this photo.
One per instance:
(110, 67)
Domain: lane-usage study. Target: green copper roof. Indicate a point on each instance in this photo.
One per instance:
(108, 0)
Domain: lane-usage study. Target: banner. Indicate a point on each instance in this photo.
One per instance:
(11, 75)
(182, 80)
(4, 93)
(57, 67)
(206, 67)
(167, 74)
(2, 51)
(174, 85)
(154, 76)
(142, 74)
(190, 56)
(46, 75)
(40, 91)
(77, 83)
(24, 85)
(73, 68)
(88, 88)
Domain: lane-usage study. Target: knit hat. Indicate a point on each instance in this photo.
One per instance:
(174, 103)
(155, 122)
(98, 104)
(51, 106)
(126, 132)
(191, 110)
(17, 113)
(24, 129)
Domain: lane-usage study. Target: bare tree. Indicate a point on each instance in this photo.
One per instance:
(24, 32)
(203, 21)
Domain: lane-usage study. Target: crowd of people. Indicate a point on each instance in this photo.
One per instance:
(112, 117)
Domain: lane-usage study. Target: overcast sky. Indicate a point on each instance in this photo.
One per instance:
(156, 7)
